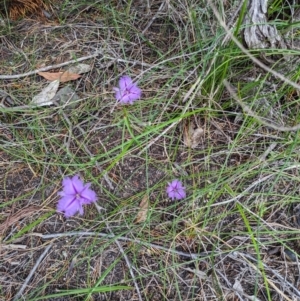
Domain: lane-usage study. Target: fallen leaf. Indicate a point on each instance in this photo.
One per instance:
(192, 135)
(238, 286)
(142, 214)
(61, 76)
(50, 75)
(45, 96)
(253, 298)
(80, 68)
(66, 96)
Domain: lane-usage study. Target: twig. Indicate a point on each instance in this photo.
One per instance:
(282, 279)
(124, 238)
(243, 193)
(267, 152)
(50, 67)
(251, 113)
(158, 137)
(12, 246)
(154, 17)
(16, 76)
(18, 295)
(128, 264)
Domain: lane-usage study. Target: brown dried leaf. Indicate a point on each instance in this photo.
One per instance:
(61, 76)
(192, 136)
(144, 207)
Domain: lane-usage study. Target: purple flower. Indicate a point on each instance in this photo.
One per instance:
(75, 194)
(127, 92)
(175, 190)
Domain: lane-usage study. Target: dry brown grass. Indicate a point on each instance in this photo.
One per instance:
(19, 8)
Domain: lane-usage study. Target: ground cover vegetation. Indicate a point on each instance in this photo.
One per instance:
(187, 190)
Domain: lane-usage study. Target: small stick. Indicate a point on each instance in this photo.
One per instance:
(16, 76)
(49, 67)
(255, 267)
(154, 17)
(128, 264)
(247, 109)
(123, 238)
(18, 295)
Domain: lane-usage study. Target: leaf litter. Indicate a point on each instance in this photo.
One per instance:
(192, 134)
(72, 73)
(45, 97)
(63, 77)
(143, 211)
